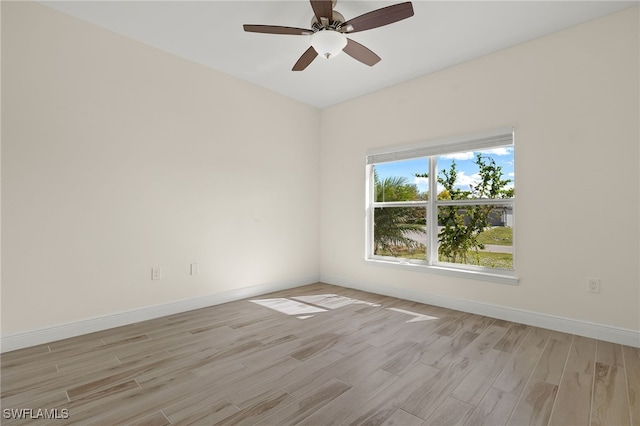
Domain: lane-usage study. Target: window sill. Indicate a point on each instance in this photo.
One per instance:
(506, 277)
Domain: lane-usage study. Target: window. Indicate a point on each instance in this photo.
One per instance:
(465, 227)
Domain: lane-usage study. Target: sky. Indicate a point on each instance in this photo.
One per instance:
(466, 168)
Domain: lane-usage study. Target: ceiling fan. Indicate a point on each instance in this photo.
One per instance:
(328, 29)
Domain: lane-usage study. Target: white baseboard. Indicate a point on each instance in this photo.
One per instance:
(26, 339)
(566, 325)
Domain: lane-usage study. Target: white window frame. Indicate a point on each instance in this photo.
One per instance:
(431, 150)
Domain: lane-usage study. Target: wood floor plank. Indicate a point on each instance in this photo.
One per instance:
(464, 321)
(110, 380)
(314, 379)
(494, 409)
(167, 343)
(553, 359)
(573, 403)
(155, 419)
(25, 370)
(443, 348)
(16, 377)
(370, 362)
(196, 406)
(535, 405)
(359, 360)
(193, 364)
(247, 379)
(49, 358)
(128, 407)
(609, 405)
(391, 327)
(208, 415)
(378, 409)
(536, 402)
(477, 323)
(260, 410)
(350, 369)
(91, 407)
(484, 342)
(320, 343)
(86, 341)
(24, 355)
(474, 385)
(432, 393)
(512, 338)
(307, 404)
(609, 353)
(515, 375)
(631, 359)
(453, 324)
(94, 363)
(402, 418)
(406, 359)
(450, 412)
(74, 379)
(249, 395)
(342, 407)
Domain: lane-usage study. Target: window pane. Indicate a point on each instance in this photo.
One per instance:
(476, 174)
(400, 232)
(401, 180)
(476, 235)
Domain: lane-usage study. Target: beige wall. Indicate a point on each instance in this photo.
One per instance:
(572, 98)
(118, 157)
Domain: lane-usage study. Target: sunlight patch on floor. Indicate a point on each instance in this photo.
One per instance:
(287, 306)
(416, 316)
(332, 301)
(303, 307)
(305, 316)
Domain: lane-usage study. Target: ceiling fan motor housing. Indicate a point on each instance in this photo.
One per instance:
(335, 24)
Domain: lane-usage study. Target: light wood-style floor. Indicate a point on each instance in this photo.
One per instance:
(326, 358)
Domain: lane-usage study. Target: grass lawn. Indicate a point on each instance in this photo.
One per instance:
(493, 260)
(481, 258)
(499, 235)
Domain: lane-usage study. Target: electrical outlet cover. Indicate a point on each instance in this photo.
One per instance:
(156, 274)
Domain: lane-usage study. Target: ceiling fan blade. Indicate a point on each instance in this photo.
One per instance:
(379, 17)
(361, 53)
(307, 57)
(322, 9)
(275, 29)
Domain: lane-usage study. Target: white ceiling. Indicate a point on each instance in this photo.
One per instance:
(439, 35)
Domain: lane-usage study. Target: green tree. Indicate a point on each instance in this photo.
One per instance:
(393, 226)
(461, 225)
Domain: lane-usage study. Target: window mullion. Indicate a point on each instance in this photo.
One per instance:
(399, 204)
(432, 213)
(476, 202)
(370, 199)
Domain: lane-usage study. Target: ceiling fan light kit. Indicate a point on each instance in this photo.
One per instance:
(328, 43)
(329, 27)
